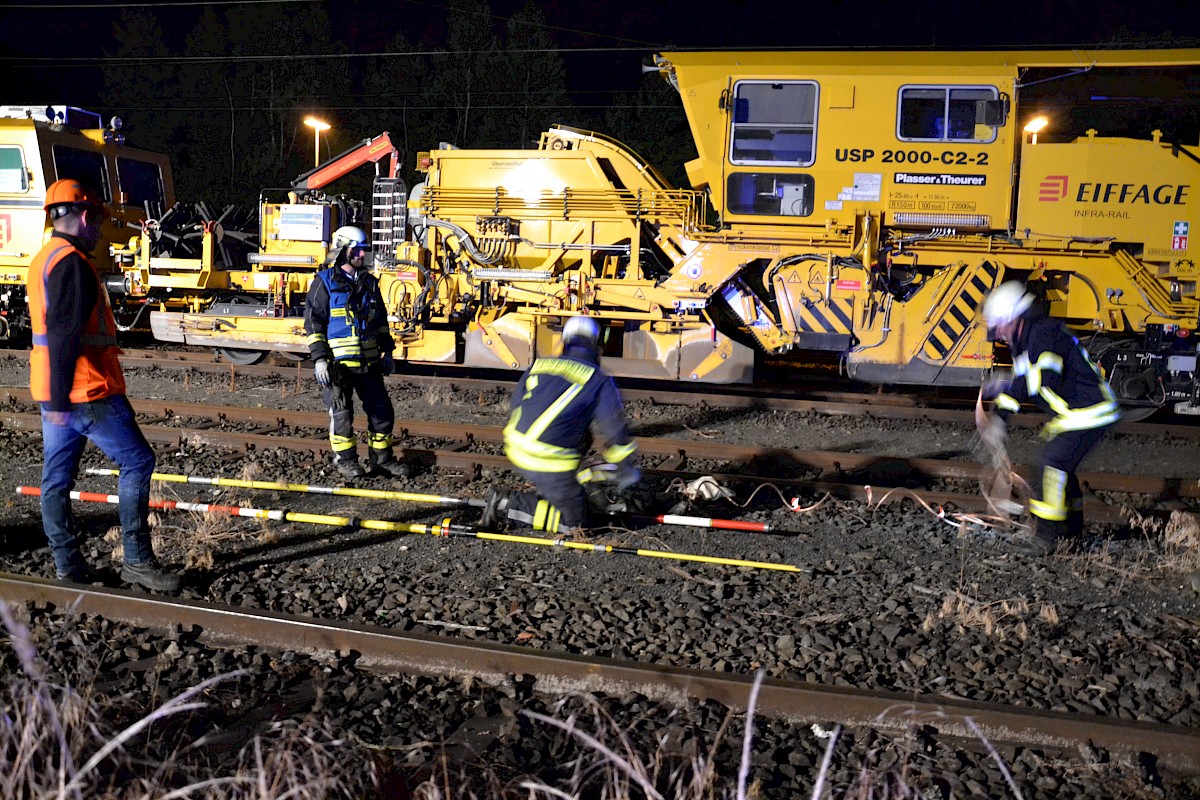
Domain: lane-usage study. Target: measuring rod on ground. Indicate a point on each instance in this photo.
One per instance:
(446, 528)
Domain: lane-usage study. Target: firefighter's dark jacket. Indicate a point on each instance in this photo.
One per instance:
(1052, 370)
(345, 319)
(555, 403)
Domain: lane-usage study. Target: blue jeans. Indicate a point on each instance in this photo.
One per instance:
(110, 425)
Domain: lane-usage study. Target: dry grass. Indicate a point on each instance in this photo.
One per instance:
(55, 744)
(201, 535)
(1009, 617)
(439, 394)
(1181, 541)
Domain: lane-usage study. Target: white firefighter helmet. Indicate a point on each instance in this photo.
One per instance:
(1006, 302)
(581, 329)
(344, 238)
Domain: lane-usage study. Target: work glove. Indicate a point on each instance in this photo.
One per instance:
(625, 476)
(321, 373)
(997, 384)
(619, 476)
(387, 365)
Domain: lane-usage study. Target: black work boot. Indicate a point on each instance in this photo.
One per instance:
(387, 464)
(82, 574)
(150, 576)
(349, 467)
(494, 508)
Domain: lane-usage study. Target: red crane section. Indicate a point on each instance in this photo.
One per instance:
(369, 150)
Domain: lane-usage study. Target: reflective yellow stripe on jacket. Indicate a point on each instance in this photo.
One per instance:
(524, 448)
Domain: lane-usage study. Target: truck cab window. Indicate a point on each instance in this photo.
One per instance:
(773, 123)
(945, 114)
(13, 176)
(140, 181)
(84, 166)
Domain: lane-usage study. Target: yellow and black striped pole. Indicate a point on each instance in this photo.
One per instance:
(281, 486)
(446, 528)
(410, 497)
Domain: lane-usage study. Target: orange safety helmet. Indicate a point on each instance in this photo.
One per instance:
(69, 192)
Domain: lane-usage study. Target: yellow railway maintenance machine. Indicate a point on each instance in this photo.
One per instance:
(864, 204)
(41, 144)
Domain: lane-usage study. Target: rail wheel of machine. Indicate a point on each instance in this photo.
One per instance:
(287, 355)
(237, 355)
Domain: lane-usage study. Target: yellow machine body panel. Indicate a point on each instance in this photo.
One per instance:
(1143, 194)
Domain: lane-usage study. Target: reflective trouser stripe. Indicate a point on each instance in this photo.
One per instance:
(341, 443)
(380, 441)
(1053, 503)
(545, 517)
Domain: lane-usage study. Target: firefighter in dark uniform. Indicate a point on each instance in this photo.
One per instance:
(1052, 370)
(348, 338)
(555, 404)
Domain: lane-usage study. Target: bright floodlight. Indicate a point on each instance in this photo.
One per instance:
(1034, 125)
(317, 125)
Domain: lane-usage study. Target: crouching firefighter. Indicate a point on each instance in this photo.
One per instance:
(349, 341)
(1052, 370)
(555, 404)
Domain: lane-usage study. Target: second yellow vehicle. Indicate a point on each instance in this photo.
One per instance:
(856, 206)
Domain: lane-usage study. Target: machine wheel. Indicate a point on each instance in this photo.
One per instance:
(287, 355)
(236, 355)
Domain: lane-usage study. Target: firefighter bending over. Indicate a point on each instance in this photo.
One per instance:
(547, 436)
(1052, 370)
(349, 340)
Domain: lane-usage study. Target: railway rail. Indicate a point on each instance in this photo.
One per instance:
(1175, 748)
(802, 399)
(871, 478)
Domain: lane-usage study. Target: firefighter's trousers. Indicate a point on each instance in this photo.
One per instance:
(1057, 500)
(339, 399)
(560, 504)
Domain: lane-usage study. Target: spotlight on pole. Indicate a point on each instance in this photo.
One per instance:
(317, 125)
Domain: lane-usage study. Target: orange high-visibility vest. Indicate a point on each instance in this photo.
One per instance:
(98, 371)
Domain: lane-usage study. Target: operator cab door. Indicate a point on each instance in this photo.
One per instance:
(771, 136)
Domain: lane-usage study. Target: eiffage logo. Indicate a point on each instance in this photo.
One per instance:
(1053, 188)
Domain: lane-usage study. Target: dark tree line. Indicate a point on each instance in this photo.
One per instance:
(229, 109)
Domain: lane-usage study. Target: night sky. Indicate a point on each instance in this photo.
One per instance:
(618, 36)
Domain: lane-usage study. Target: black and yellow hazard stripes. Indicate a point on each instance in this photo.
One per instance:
(968, 292)
(835, 316)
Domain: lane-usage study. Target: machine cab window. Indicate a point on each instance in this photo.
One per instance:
(13, 175)
(947, 114)
(140, 181)
(84, 166)
(773, 123)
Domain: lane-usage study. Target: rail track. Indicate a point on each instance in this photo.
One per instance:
(802, 398)
(830, 610)
(1175, 748)
(462, 446)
